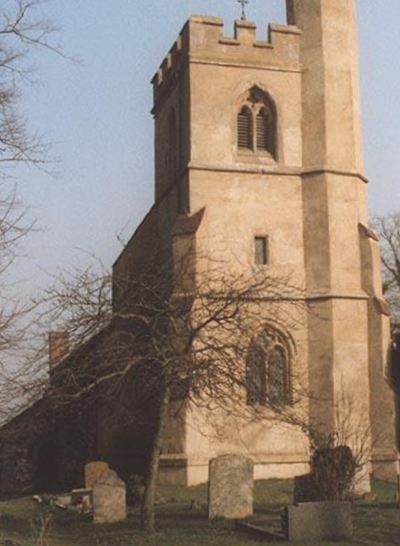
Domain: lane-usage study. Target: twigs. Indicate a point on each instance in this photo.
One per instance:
(22, 30)
(388, 229)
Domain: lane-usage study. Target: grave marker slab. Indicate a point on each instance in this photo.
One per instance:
(109, 499)
(230, 487)
(313, 521)
(305, 489)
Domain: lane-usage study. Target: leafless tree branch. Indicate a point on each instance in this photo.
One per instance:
(388, 229)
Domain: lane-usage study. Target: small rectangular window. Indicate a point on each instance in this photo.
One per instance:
(261, 250)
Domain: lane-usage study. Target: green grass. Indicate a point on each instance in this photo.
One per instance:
(376, 523)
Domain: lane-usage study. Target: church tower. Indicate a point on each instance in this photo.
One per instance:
(258, 161)
(348, 334)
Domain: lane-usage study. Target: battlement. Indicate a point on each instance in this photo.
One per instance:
(202, 40)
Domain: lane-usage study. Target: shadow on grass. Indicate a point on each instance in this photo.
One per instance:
(376, 523)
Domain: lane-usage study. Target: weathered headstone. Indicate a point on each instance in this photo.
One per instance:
(230, 487)
(109, 498)
(305, 489)
(328, 520)
(93, 471)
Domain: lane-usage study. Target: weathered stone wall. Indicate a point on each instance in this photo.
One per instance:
(242, 195)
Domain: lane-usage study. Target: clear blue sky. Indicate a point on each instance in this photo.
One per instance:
(97, 114)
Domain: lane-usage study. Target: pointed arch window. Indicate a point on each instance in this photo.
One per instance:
(267, 370)
(257, 123)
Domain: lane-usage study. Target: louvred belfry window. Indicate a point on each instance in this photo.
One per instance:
(257, 124)
(244, 129)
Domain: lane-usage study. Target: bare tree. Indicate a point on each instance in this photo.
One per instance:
(14, 311)
(388, 230)
(79, 298)
(22, 30)
(182, 338)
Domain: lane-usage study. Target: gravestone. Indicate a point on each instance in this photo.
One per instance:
(109, 498)
(313, 521)
(93, 471)
(305, 489)
(230, 487)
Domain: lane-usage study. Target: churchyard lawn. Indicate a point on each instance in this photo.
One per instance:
(182, 521)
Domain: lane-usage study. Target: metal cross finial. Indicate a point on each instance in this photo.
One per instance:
(243, 3)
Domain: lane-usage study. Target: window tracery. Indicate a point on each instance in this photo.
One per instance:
(267, 370)
(256, 123)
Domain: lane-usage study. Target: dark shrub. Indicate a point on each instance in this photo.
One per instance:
(333, 470)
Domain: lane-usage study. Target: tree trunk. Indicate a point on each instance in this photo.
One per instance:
(147, 513)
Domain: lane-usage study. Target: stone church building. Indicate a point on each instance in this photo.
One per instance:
(258, 161)
(264, 136)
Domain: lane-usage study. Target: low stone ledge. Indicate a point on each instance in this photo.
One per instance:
(313, 521)
(269, 530)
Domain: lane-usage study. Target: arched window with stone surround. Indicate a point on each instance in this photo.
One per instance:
(257, 124)
(268, 369)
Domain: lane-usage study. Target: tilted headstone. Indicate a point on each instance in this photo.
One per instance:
(305, 489)
(93, 471)
(109, 498)
(230, 487)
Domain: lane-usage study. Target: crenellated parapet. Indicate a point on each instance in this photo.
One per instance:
(169, 66)
(202, 41)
